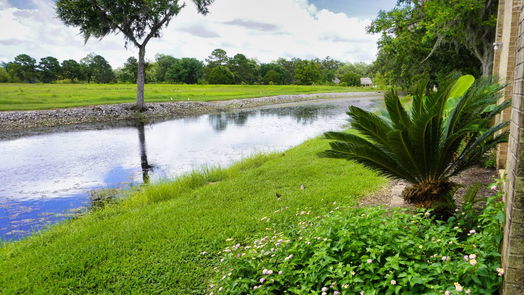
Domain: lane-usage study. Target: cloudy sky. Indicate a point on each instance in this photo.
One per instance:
(261, 29)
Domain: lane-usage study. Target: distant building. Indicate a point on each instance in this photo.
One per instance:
(366, 82)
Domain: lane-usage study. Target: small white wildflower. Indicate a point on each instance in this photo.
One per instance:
(280, 273)
(458, 287)
(324, 289)
(393, 282)
(445, 258)
(466, 257)
(493, 187)
(289, 257)
(472, 231)
(255, 287)
(447, 293)
(369, 261)
(473, 261)
(324, 293)
(204, 253)
(353, 273)
(420, 246)
(262, 280)
(220, 289)
(468, 291)
(472, 256)
(345, 286)
(336, 293)
(212, 293)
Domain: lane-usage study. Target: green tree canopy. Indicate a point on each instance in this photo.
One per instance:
(307, 72)
(49, 69)
(23, 68)
(185, 70)
(435, 37)
(71, 70)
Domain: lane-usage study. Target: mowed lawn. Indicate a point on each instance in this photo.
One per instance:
(165, 238)
(51, 96)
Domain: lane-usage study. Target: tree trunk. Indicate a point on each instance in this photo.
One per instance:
(140, 77)
(487, 63)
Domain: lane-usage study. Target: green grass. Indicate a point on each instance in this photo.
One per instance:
(53, 96)
(152, 242)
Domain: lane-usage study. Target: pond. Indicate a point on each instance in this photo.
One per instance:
(48, 176)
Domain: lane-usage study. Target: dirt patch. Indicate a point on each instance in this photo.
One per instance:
(389, 195)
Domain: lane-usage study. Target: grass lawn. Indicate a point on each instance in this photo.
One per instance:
(52, 96)
(153, 241)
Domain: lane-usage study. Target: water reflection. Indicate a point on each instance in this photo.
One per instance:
(47, 175)
(144, 163)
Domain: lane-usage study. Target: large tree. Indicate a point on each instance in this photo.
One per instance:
(138, 20)
(49, 69)
(433, 37)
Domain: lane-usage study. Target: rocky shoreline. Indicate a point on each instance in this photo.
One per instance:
(22, 120)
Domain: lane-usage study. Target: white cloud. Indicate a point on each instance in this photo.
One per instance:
(264, 30)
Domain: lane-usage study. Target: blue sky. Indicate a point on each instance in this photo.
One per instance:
(261, 29)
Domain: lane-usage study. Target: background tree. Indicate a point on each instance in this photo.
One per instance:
(71, 70)
(220, 75)
(435, 37)
(244, 69)
(218, 57)
(163, 63)
(130, 70)
(307, 72)
(101, 70)
(185, 70)
(23, 68)
(138, 20)
(272, 73)
(4, 75)
(49, 69)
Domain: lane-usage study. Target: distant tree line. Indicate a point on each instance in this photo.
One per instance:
(217, 68)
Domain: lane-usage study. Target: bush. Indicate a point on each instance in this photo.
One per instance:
(440, 135)
(371, 251)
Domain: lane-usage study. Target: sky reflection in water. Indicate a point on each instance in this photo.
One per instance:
(47, 178)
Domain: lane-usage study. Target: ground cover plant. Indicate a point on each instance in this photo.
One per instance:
(165, 238)
(18, 96)
(443, 133)
(370, 251)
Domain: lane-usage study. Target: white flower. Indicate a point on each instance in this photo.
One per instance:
(472, 231)
(420, 246)
(203, 253)
(280, 273)
(289, 257)
(353, 273)
(458, 287)
(262, 280)
(345, 286)
(493, 187)
(466, 257)
(336, 293)
(324, 293)
(472, 256)
(369, 261)
(447, 293)
(220, 289)
(445, 258)
(324, 289)
(256, 287)
(468, 291)
(393, 282)
(473, 261)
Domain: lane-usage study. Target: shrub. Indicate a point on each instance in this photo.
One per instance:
(370, 251)
(444, 133)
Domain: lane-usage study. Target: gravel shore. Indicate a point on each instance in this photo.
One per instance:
(21, 120)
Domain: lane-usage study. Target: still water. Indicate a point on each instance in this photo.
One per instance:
(48, 177)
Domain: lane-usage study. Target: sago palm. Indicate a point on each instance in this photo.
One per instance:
(443, 133)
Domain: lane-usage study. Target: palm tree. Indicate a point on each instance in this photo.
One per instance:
(443, 133)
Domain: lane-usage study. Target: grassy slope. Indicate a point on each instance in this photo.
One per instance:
(52, 96)
(151, 243)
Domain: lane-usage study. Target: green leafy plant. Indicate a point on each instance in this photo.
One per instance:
(443, 133)
(370, 251)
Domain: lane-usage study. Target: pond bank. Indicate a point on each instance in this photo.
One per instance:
(19, 120)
